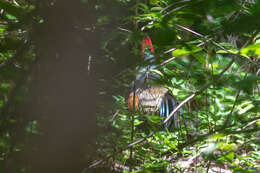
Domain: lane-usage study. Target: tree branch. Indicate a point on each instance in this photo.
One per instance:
(114, 116)
(122, 149)
(197, 93)
(166, 62)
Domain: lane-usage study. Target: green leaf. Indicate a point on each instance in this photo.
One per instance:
(226, 44)
(136, 123)
(144, 7)
(156, 9)
(230, 156)
(184, 51)
(245, 107)
(218, 136)
(232, 51)
(251, 50)
(11, 17)
(153, 118)
(12, 10)
(200, 57)
(227, 147)
(32, 127)
(5, 85)
(154, 2)
(157, 72)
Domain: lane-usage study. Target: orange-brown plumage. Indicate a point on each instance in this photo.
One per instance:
(130, 102)
(148, 99)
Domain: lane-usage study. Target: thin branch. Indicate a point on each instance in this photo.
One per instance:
(202, 36)
(170, 50)
(249, 124)
(166, 62)
(181, 146)
(174, 10)
(114, 116)
(211, 40)
(178, 107)
(125, 30)
(208, 166)
(233, 107)
(204, 136)
(169, 6)
(243, 131)
(139, 141)
(197, 93)
(189, 30)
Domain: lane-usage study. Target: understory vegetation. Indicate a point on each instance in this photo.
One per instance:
(207, 56)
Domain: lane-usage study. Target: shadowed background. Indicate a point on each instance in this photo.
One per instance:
(63, 93)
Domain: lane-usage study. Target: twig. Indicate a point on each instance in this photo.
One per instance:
(204, 136)
(110, 156)
(114, 116)
(174, 10)
(170, 50)
(125, 30)
(233, 107)
(166, 62)
(208, 166)
(249, 124)
(178, 107)
(202, 36)
(243, 131)
(213, 42)
(169, 6)
(199, 138)
(197, 93)
(189, 30)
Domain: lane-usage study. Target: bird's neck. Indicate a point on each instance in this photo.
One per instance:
(148, 56)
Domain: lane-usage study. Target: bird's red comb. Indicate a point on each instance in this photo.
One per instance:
(147, 43)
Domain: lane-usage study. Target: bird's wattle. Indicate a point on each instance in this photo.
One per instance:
(147, 43)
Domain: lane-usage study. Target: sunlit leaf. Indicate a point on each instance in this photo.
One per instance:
(227, 146)
(184, 51)
(136, 123)
(246, 106)
(156, 9)
(200, 57)
(218, 136)
(230, 156)
(251, 50)
(233, 51)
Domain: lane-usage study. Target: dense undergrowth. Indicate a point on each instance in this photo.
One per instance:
(212, 56)
(207, 55)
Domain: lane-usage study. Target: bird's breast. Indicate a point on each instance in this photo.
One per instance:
(147, 99)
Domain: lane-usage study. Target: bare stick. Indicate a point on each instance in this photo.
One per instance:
(125, 30)
(175, 9)
(110, 156)
(169, 6)
(166, 62)
(170, 50)
(196, 93)
(114, 116)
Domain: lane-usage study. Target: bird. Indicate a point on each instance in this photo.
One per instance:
(147, 98)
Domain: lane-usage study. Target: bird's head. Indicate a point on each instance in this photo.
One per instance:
(147, 49)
